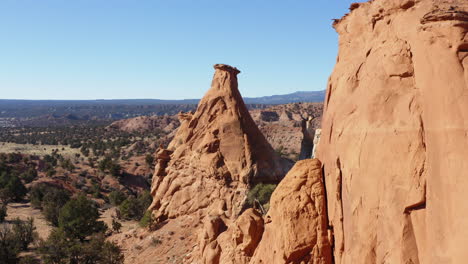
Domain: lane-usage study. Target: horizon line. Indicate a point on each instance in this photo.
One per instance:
(116, 99)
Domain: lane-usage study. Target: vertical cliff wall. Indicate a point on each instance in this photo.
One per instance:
(394, 133)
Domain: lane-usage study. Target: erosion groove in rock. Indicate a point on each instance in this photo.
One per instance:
(395, 120)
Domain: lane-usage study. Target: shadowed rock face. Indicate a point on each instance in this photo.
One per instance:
(393, 142)
(307, 144)
(217, 153)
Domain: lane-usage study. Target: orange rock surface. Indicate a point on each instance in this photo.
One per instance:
(237, 244)
(296, 224)
(393, 141)
(201, 180)
(217, 152)
(295, 229)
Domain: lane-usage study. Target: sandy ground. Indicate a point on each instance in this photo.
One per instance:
(173, 243)
(37, 149)
(23, 211)
(109, 214)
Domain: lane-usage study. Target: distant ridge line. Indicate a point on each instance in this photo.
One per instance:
(300, 96)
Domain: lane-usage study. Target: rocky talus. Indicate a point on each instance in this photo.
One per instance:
(394, 133)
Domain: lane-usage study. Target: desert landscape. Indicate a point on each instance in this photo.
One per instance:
(369, 170)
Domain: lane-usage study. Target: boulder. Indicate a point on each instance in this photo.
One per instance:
(237, 244)
(296, 227)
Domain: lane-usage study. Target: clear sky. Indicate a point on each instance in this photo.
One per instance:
(109, 49)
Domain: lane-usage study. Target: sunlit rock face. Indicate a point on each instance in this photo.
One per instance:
(296, 228)
(217, 153)
(394, 133)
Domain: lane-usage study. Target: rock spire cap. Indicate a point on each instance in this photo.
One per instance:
(225, 67)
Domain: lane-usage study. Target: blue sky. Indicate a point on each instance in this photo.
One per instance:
(109, 49)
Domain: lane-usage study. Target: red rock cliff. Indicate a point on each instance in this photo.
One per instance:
(394, 134)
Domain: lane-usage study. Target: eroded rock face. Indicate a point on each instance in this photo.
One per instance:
(146, 123)
(287, 127)
(217, 153)
(296, 229)
(238, 243)
(317, 134)
(393, 141)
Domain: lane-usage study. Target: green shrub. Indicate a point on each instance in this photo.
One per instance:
(67, 165)
(117, 197)
(107, 164)
(29, 175)
(9, 246)
(28, 260)
(3, 213)
(149, 159)
(155, 241)
(109, 253)
(17, 188)
(145, 199)
(36, 195)
(25, 232)
(135, 208)
(52, 204)
(116, 226)
(58, 248)
(55, 249)
(145, 221)
(129, 209)
(260, 192)
(14, 238)
(115, 170)
(96, 191)
(50, 200)
(78, 218)
(11, 186)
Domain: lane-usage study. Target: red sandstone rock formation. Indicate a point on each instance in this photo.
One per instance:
(147, 123)
(296, 228)
(216, 154)
(237, 244)
(281, 125)
(393, 141)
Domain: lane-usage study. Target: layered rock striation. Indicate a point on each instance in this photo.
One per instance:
(393, 141)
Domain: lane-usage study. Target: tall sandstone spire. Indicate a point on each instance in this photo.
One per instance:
(217, 153)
